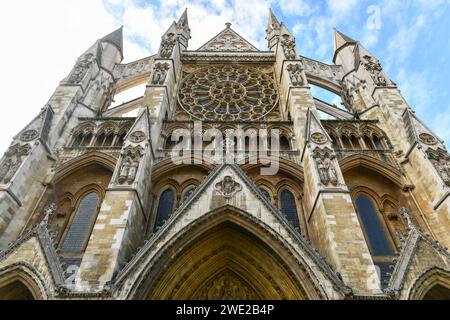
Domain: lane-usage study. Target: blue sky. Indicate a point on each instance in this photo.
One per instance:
(409, 37)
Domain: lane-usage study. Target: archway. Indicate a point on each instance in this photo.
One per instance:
(438, 292)
(208, 257)
(226, 263)
(16, 291)
(20, 283)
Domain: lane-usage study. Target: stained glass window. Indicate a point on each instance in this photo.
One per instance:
(375, 233)
(289, 207)
(81, 224)
(165, 207)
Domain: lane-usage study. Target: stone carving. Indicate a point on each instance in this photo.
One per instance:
(375, 70)
(288, 47)
(318, 138)
(160, 73)
(12, 161)
(441, 161)
(81, 68)
(297, 75)
(227, 287)
(130, 165)
(228, 93)
(137, 137)
(325, 166)
(167, 46)
(427, 139)
(49, 211)
(404, 212)
(228, 187)
(228, 40)
(29, 135)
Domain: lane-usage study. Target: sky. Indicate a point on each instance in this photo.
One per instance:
(41, 41)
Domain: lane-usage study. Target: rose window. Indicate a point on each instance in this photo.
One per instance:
(228, 93)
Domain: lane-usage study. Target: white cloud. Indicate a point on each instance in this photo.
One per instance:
(41, 41)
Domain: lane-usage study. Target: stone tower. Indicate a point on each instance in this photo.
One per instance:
(228, 182)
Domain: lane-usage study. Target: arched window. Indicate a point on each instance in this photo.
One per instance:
(368, 142)
(188, 193)
(377, 142)
(346, 142)
(86, 140)
(375, 233)
(77, 141)
(355, 143)
(284, 144)
(82, 223)
(265, 193)
(334, 142)
(100, 140)
(165, 207)
(289, 207)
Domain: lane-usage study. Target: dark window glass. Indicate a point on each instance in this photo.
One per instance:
(188, 193)
(368, 142)
(109, 140)
(81, 224)
(266, 194)
(378, 144)
(289, 208)
(78, 140)
(346, 143)
(355, 143)
(375, 233)
(165, 207)
(284, 144)
(100, 140)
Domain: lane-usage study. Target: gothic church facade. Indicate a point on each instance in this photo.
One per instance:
(93, 207)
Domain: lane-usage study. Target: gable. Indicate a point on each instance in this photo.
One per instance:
(228, 40)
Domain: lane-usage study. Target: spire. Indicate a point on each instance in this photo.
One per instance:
(272, 18)
(184, 19)
(341, 40)
(115, 38)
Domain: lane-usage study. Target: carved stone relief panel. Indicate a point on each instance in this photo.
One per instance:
(288, 47)
(167, 46)
(130, 164)
(228, 187)
(375, 70)
(324, 159)
(81, 68)
(160, 73)
(441, 161)
(297, 75)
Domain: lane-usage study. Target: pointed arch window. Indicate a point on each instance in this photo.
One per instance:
(289, 207)
(82, 223)
(373, 228)
(265, 193)
(165, 207)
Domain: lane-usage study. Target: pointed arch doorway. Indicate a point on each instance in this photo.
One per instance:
(227, 258)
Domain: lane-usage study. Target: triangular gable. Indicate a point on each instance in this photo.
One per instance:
(38, 128)
(228, 40)
(314, 128)
(419, 131)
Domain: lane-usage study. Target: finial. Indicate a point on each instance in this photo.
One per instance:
(228, 25)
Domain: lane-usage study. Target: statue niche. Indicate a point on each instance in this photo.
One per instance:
(130, 165)
(325, 166)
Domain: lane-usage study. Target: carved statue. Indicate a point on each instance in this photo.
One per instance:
(130, 164)
(81, 68)
(124, 170)
(325, 167)
(441, 161)
(167, 46)
(375, 70)
(297, 75)
(13, 159)
(48, 211)
(160, 73)
(288, 47)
